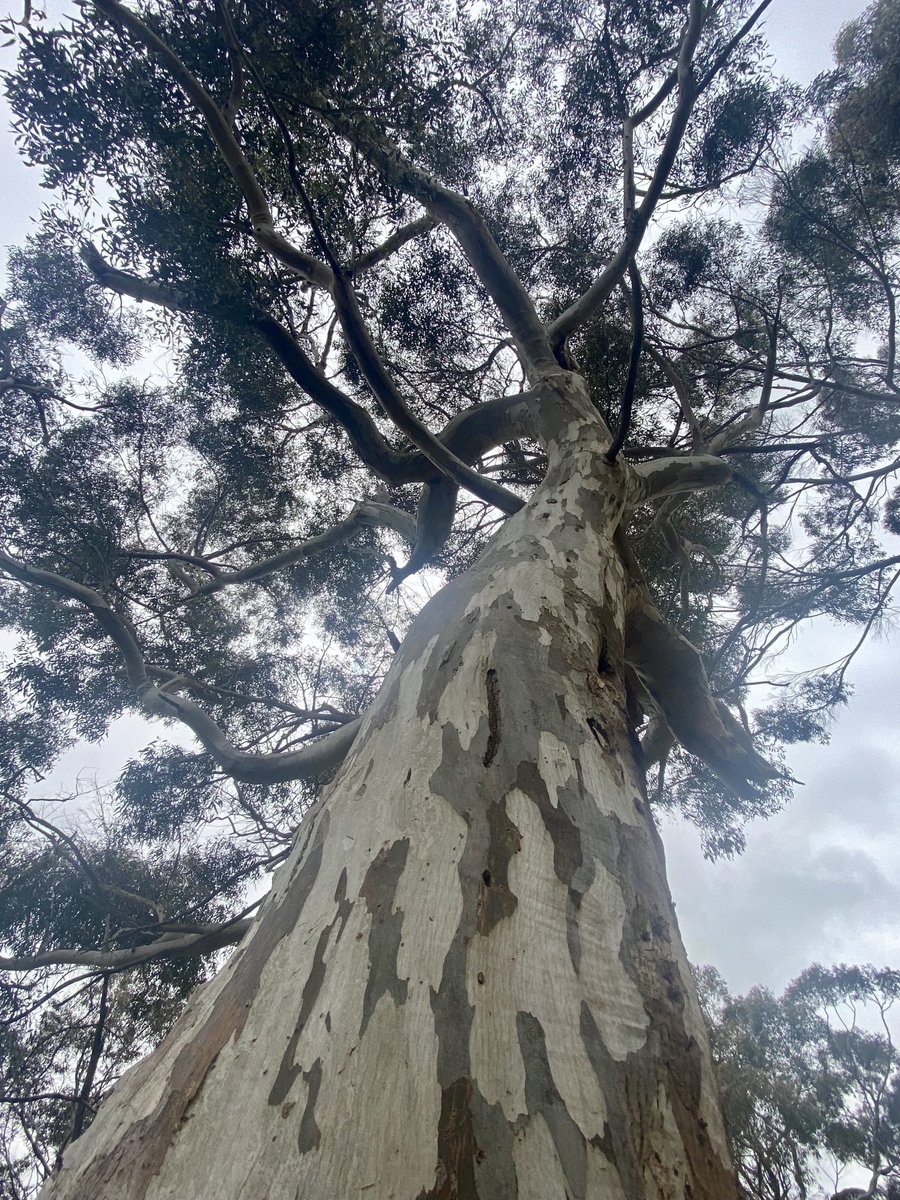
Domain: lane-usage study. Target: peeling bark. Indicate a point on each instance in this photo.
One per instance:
(467, 982)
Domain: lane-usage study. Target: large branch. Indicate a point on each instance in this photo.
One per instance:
(317, 758)
(314, 759)
(367, 440)
(484, 254)
(465, 438)
(388, 396)
(204, 941)
(672, 672)
(463, 220)
(672, 475)
(469, 435)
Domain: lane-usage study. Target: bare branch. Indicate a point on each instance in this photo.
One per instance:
(204, 941)
(360, 342)
(314, 759)
(364, 434)
(391, 245)
(678, 473)
(637, 341)
(368, 513)
(462, 219)
(599, 292)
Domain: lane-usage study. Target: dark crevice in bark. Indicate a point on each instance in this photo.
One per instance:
(604, 663)
(493, 713)
(474, 1148)
(599, 736)
(496, 900)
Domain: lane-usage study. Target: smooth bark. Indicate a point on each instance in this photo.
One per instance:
(467, 981)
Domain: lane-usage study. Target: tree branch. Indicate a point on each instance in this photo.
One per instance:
(368, 513)
(678, 473)
(404, 235)
(204, 941)
(261, 219)
(599, 292)
(314, 759)
(634, 358)
(671, 670)
(462, 219)
(388, 396)
(365, 436)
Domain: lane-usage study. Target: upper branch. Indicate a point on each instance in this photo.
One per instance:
(261, 219)
(601, 289)
(482, 251)
(391, 245)
(368, 441)
(465, 223)
(385, 391)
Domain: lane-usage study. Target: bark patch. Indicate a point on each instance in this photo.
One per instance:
(378, 890)
(564, 833)
(456, 1146)
(542, 1096)
(496, 901)
(289, 1070)
(628, 1096)
(310, 1135)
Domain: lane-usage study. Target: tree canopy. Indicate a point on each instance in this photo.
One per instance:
(265, 377)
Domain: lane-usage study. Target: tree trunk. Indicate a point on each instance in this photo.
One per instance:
(467, 981)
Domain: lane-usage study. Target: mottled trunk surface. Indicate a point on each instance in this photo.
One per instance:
(467, 981)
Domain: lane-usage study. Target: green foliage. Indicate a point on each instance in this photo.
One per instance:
(810, 1081)
(148, 448)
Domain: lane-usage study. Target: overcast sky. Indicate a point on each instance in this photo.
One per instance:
(819, 882)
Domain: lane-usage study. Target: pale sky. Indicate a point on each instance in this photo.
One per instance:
(818, 882)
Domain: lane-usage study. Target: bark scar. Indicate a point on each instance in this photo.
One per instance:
(599, 735)
(493, 699)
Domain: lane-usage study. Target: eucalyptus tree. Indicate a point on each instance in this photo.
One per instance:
(809, 1082)
(425, 286)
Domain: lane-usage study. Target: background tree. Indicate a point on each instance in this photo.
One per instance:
(809, 1081)
(433, 291)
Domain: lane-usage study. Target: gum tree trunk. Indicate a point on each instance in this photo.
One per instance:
(467, 981)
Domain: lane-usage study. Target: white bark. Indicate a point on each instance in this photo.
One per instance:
(467, 981)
